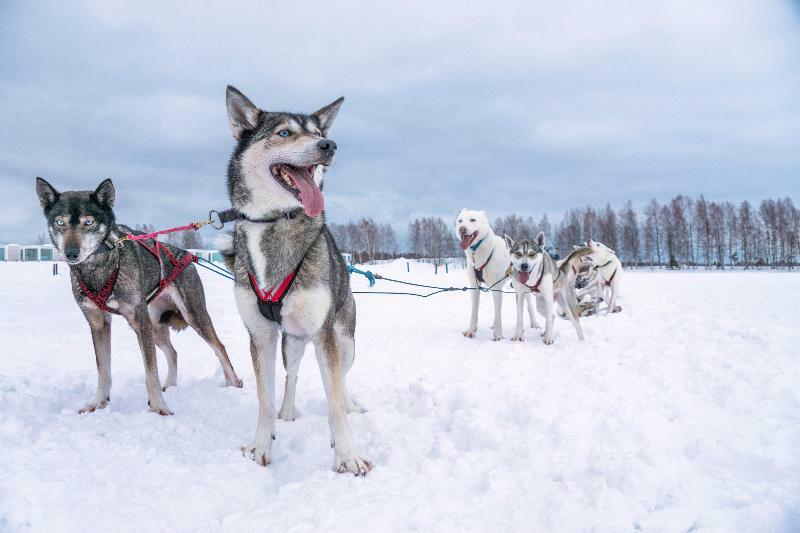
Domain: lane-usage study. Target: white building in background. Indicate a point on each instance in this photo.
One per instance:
(27, 252)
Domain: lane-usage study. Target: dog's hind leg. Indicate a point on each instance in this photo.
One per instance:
(263, 344)
(329, 358)
(161, 333)
(197, 317)
(100, 325)
(531, 314)
(293, 348)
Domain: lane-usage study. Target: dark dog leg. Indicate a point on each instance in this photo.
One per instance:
(203, 326)
(100, 324)
(141, 325)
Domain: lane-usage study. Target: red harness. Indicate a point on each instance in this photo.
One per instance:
(611, 278)
(100, 298)
(270, 301)
(535, 288)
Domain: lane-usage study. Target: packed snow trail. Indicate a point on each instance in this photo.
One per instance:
(678, 414)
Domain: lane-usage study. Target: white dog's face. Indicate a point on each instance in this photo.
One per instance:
(471, 227)
(599, 249)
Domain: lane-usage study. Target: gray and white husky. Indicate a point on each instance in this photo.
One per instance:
(534, 271)
(126, 280)
(291, 280)
(487, 264)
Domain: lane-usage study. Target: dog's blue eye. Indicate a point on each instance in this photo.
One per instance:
(88, 222)
(59, 222)
(284, 133)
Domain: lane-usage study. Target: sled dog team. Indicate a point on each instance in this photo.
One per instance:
(291, 282)
(491, 259)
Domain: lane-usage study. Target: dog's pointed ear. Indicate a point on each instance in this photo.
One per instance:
(242, 113)
(327, 115)
(540, 238)
(46, 193)
(509, 241)
(104, 193)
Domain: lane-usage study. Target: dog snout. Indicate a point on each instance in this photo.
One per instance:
(524, 267)
(327, 145)
(462, 230)
(72, 252)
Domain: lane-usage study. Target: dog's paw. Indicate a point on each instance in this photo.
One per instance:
(470, 334)
(547, 339)
(234, 382)
(351, 463)
(163, 411)
(497, 337)
(287, 414)
(91, 407)
(519, 337)
(617, 309)
(259, 454)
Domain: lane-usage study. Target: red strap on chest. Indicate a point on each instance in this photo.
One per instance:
(101, 297)
(611, 278)
(268, 295)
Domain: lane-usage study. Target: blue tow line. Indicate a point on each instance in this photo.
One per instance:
(216, 269)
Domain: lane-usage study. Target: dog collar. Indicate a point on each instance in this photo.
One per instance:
(477, 244)
(230, 215)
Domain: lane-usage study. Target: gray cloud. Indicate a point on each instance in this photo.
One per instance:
(516, 107)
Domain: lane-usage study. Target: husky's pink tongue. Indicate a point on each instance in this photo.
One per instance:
(466, 240)
(310, 195)
(523, 277)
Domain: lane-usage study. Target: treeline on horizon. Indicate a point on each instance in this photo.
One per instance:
(682, 232)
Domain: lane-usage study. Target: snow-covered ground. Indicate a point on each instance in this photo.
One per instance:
(682, 413)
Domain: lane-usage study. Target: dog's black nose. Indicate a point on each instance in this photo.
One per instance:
(327, 145)
(524, 267)
(72, 252)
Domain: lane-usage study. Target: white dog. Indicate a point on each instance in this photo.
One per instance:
(609, 272)
(487, 263)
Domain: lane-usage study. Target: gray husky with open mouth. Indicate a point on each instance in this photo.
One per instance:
(291, 280)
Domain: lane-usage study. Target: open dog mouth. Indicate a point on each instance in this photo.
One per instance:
(299, 181)
(523, 276)
(466, 240)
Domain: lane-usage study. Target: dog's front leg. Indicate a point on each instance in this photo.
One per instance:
(547, 294)
(475, 299)
(141, 325)
(329, 358)
(263, 345)
(519, 332)
(497, 327)
(100, 325)
(292, 348)
(531, 314)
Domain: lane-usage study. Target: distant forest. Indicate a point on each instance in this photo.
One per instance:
(680, 233)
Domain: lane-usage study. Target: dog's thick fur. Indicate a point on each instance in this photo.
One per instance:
(532, 269)
(608, 275)
(78, 223)
(276, 155)
(483, 249)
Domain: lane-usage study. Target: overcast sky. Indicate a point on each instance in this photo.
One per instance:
(525, 107)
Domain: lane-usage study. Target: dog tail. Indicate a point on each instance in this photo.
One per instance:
(571, 263)
(224, 243)
(173, 319)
